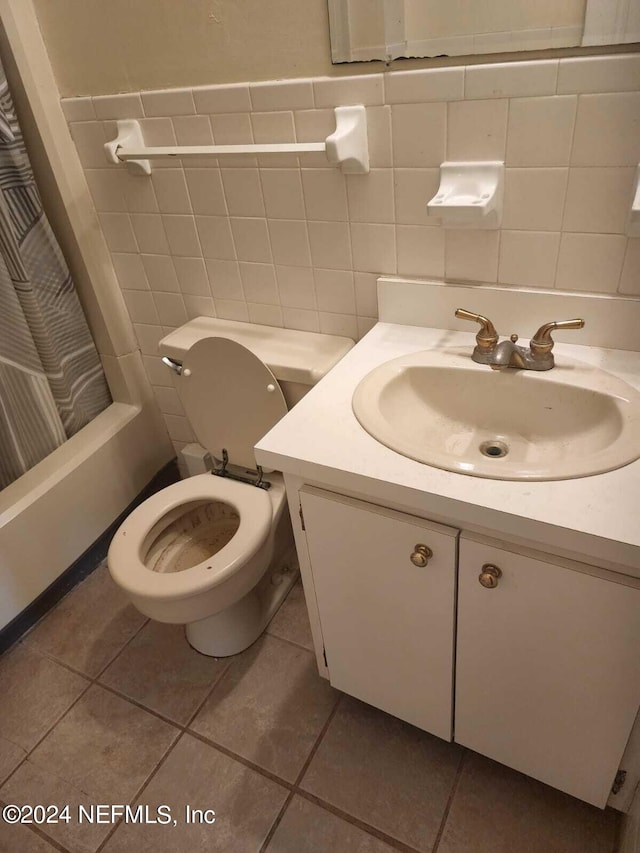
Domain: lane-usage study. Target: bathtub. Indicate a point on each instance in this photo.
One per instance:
(58, 509)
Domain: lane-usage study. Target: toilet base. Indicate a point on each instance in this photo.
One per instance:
(234, 629)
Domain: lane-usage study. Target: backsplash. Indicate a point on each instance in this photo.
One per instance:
(290, 241)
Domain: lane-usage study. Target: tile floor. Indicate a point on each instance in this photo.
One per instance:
(100, 706)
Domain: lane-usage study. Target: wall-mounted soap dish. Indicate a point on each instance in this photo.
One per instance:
(470, 195)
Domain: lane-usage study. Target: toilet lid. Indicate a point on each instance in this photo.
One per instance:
(230, 397)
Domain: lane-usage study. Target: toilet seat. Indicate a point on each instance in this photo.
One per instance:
(127, 550)
(230, 408)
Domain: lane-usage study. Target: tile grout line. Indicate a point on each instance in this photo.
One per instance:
(35, 829)
(91, 683)
(350, 819)
(115, 692)
(240, 759)
(395, 843)
(293, 788)
(47, 733)
(139, 792)
(370, 829)
(287, 640)
(201, 704)
(276, 823)
(101, 672)
(182, 729)
(30, 752)
(318, 741)
(447, 808)
(566, 190)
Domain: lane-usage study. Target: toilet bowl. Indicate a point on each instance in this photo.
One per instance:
(216, 553)
(199, 547)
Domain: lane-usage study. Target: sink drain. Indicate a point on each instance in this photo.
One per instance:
(494, 449)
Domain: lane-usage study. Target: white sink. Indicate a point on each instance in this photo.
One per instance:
(442, 409)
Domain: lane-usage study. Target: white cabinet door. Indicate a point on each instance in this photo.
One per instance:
(387, 624)
(548, 669)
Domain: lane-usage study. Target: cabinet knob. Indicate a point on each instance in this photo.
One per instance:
(489, 576)
(421, 555)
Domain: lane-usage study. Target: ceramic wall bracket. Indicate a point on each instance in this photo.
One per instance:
(633, 220)
(470, 195)
(129, 137)
(347, 147)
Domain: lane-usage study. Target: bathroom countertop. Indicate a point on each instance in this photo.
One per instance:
(595, 518)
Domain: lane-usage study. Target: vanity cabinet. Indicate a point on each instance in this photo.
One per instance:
(387, 623)
(548, 668)
(546, 653)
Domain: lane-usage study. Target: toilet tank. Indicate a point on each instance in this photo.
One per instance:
(297, 359)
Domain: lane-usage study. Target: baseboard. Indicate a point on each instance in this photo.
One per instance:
(83, 566)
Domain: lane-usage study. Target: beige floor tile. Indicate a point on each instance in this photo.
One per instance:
(245, 803)
(159, 669)
(306, 828)
(89, 627)
(10, 756)
(20, 839)
(105, 746)
(35, 786)
(269, 707)
(384, 772)
(35, 693)
(291, 622)
(496, 810)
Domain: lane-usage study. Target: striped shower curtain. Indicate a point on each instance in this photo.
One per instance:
(51, 379)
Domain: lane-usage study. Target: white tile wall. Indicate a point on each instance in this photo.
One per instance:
(149, 233)
(419, 134)
(438, 84)
(167, 102)
(541, 130)
(472, 255)
(332, 92)
(222, 99)
(160, 269)
(511, 79)
(630, 281)
(291, 241)
(528, 258)
(118, 106)
(599, 74)
(534, 199)
(607, 131)
(283, 95)
(590, 262)
(477, 130)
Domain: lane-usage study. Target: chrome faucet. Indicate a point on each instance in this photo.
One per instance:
(537, 356)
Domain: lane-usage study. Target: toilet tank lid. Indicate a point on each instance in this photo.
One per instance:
(291, 355)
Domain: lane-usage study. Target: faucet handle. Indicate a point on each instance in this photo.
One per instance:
(542, 343)
(487, 337)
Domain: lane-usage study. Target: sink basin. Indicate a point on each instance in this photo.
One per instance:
(442, 409)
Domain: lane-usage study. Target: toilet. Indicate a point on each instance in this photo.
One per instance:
(215, 551)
